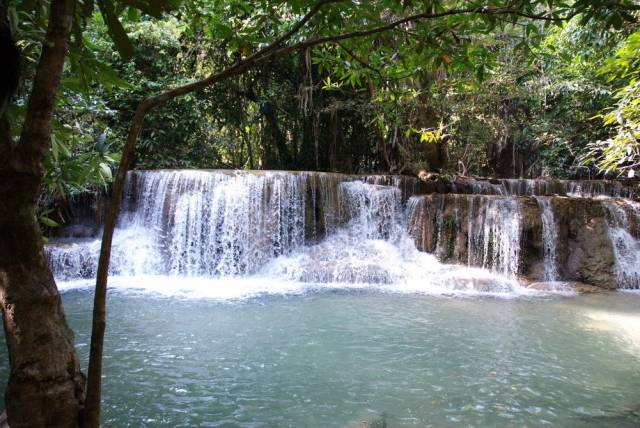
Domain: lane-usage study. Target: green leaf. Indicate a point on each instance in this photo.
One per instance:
(224, 31)
(105, 171)
(48, 222)
(133, 14)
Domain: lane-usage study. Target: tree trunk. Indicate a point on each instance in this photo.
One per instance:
(45, 384)
(434, 152)
(247, 140)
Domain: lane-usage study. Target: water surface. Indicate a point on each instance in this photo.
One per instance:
(332, 357)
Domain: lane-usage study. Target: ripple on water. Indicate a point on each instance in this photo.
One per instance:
(332, 359)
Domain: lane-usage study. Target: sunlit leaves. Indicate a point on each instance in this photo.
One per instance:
(626, 61)
(620, 154)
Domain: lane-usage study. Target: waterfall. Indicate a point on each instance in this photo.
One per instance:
(207, 223)
(279, 229)
(497, 234)
(549, 238)
(355, 254)
(324, 228)
(624, 233)
(374, 210)
(489, 237)
(210, 223)
(545, 187)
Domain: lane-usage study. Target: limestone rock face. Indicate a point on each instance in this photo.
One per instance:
(584, 249)
(629, 189)
(495, 232)
(506, 234)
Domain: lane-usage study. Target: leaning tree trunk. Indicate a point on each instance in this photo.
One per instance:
(45, 384)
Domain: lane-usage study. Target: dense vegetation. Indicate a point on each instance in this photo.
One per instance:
(468, 96)
(503, 87)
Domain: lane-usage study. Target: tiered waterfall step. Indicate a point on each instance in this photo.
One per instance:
(595, 241)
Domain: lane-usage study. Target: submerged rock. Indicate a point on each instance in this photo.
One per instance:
(571, 286)
(377, 423)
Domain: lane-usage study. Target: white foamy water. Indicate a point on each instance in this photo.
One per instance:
(218, 234)
(624, 233)
(205, 234)
(493, 228)
(549, 238)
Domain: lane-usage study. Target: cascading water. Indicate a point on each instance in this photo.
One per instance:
(500, 236)
(300, 228)
(319, 228)
(373, 214)
(624, 233)
(204, 223)
(374, 247)
(549, 238)
(546, 187)
(220, 225)
(487, 235)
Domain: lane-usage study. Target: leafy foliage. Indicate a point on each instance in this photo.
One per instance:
(82, 154)
(508, 88)
(620, 153)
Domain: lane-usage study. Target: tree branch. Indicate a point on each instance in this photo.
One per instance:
(361, 61)
(392, 25)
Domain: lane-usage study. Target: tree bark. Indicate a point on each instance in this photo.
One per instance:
(45, 383)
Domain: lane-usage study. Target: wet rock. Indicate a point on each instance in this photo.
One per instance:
(584, 250)
(581, 287)
(623, 188)
(496, 232)
(428, 176)
(505, 234)
(408, 185)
